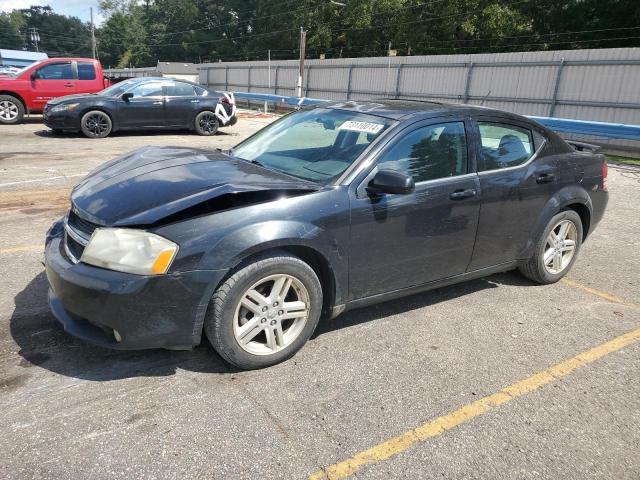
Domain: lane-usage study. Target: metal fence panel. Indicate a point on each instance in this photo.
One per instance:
(599, 85)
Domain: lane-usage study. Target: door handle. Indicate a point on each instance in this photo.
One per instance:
(68, 84)
(545, 178)
(195, 101)
(460, 194)
(157, 103)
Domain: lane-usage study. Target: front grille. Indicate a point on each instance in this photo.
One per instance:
(77, 233)
(79, 223)
(74, 249)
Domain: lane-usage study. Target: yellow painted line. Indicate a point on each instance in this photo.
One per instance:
(599, 293)
(440, 425)
(23, 248)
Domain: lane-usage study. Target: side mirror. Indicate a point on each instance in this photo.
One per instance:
(127, 96)
(390, 181)
(34, 75)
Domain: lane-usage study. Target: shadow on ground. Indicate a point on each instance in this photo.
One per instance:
(44, 343)
(126, 133)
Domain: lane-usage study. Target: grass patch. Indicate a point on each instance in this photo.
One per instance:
(625, 160)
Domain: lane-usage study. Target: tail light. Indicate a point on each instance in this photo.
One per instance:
(605, 172)
(227, 99)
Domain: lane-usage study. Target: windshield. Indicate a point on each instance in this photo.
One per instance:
(316, 145)
(119, 88)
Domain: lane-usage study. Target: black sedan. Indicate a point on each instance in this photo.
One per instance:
(325, 210)
(142, 103)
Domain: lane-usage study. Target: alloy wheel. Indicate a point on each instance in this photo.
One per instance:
(271, 314)
(208, 123)
(8, 110)
(560, 246)
(96, 124)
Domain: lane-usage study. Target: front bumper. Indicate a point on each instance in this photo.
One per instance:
(61, 121)
(163, 311)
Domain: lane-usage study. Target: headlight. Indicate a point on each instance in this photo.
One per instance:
(65, 107)
(129, 250)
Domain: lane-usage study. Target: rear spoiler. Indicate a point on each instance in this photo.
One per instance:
(584, 147)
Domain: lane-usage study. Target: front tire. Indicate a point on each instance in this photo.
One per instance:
(206, 123)
(265, 311)
(557, 249)
(11, 110)
(96, 124)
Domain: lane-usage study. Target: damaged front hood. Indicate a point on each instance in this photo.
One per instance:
(153, 183)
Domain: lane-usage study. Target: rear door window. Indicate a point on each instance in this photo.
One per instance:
(504, 146)
(86, 71)
(179, 89)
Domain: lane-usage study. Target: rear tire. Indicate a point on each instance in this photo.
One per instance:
(265, 311)
(96, 124)
(554, 255)
(11, 110)
(206, 123)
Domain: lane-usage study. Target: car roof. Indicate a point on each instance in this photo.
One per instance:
(403, 109)
(156, 79)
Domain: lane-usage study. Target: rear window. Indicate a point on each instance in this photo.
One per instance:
(86, 71)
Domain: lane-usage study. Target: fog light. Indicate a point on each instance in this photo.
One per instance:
(117, 336)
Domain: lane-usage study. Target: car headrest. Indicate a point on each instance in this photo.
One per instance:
(513, 145)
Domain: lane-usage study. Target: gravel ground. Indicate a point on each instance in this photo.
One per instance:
(71, 410)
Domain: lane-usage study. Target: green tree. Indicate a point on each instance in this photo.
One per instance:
(60, 35)
(10, 30)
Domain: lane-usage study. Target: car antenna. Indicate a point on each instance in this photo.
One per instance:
(485, 98)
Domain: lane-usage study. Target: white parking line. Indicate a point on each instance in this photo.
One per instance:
(43, 179)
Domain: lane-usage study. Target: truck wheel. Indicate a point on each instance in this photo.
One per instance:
(96, 124)
(206, 123)
(265, 312)
(557, 249)
(11, 110)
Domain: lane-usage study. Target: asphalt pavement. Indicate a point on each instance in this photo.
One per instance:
(494, 378)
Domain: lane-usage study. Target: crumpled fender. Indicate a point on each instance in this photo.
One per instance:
(230, 250)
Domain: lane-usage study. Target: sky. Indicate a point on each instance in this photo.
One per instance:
(75, 8)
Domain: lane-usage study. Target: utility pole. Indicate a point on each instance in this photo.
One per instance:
(269, 81)
(388, 70)
(94, 51)
(35, 38)
(303, 45)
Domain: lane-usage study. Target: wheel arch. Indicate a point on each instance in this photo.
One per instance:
(568, 198)
(17, 96)
(99, 108)
(318, 262)
(585, 216)
(311, 256)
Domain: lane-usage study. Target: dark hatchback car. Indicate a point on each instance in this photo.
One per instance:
(325, 210)
(142, 104)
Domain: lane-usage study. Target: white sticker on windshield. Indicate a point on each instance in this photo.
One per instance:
(366, 127)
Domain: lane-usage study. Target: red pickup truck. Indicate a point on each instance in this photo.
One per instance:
(29, 90)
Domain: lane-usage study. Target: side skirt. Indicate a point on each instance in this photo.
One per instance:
(383, 297)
